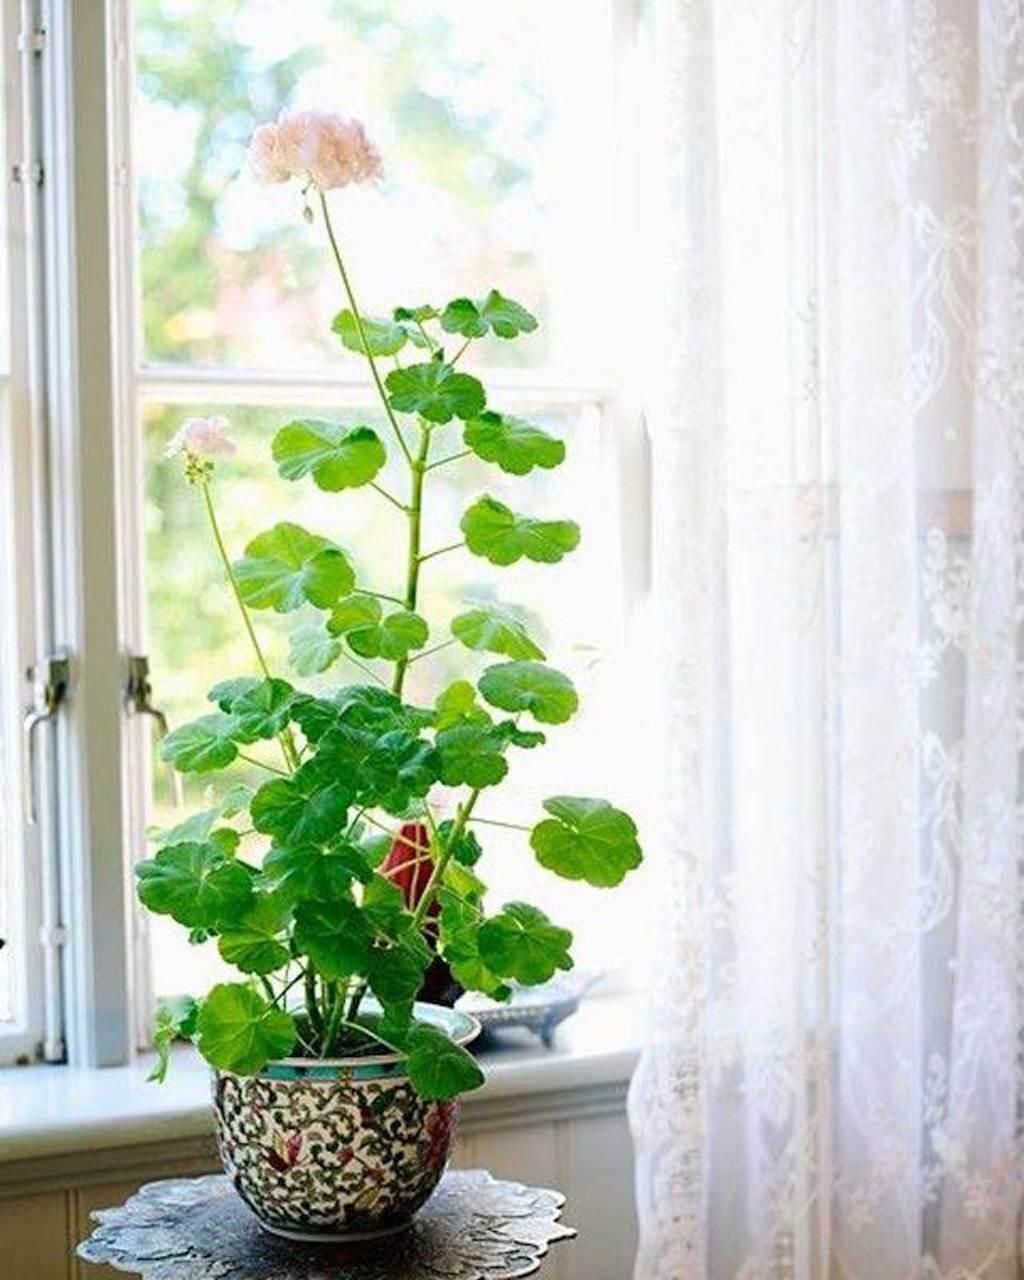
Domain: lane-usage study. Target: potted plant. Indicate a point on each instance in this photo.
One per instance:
(339, 884)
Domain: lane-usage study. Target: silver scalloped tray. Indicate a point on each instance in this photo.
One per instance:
(539, 1010)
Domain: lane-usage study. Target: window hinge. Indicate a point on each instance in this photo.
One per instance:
(27, 173)
(53, 936)
(138, 692)
(32, 41)
(50, 679)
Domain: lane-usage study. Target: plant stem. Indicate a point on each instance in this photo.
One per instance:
(390, 497)
(434, 883)
(312, 1007)
(413, 562)
(452, 457)
(493, 822)
(287, 987)
(425, 653)
(285, 738)
(454, 546)
(262, 764)
(347, 284)
(382, 595)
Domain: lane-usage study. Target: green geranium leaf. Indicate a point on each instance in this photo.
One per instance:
(586, 840)
(492, 629)
(175, 1019)
(516, 446)
(502, 536)
(336, 457)
(202, 745)
(458, 705)
(253, 943)
(334, 935)
(227, 692)
(548, 695)
(287, 567)
(353, 613)
(195, 884)
(460, 927)
(435, 391)
(384, 907)
(467, 850)
(296, 872)
(360, 706)
(411, 319)
(387, 769)
(439, 1069)
(308, 808)
(383, 337)
(312, 649)
(497, 314)
(393, 638)
(395, 972)
(263, 711)
(237, 1030)
(471, 755)
(522, 943)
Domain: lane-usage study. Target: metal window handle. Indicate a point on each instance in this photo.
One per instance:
(138, 700)
(138, 693)
(50, 680)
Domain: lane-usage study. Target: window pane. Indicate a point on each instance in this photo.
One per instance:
(196, 638)
(498, 169)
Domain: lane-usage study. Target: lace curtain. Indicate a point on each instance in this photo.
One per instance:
(833, 1085)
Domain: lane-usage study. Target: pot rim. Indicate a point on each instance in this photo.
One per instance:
(460, 1027)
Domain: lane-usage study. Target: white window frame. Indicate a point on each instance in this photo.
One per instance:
(92, 386)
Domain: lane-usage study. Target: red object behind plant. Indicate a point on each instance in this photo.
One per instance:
(408, 865)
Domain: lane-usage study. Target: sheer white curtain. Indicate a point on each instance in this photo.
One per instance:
(833, 1086)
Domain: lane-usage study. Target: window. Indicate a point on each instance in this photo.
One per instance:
(500, 169)
(27, 959)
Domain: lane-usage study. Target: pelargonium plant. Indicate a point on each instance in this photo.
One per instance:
(339, 889)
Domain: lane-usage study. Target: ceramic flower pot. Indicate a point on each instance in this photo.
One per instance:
(336, 1149)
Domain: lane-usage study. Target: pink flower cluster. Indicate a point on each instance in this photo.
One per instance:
(203, 437)
(329, 149)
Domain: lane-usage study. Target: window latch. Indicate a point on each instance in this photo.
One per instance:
(138, 693)
(50, 680)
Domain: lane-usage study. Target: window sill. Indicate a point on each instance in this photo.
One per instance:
(49, 1112)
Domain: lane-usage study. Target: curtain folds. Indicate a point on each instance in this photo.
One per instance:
(833, 1085)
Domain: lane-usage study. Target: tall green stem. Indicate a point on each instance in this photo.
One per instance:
(357, 316)
(413, 561)
(437, 875)
(291, 756)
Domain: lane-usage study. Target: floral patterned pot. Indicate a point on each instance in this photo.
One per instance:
(336, 1148)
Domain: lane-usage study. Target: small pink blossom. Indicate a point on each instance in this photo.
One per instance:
(203, 437)
(326, 148)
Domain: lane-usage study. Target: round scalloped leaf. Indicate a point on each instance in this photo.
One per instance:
(312, 649)
(295, 872)
(495, 313)
(503, 536)
(237, 1030)
(253, 944)
(522, 943)
(336, 457)
(471, 755)
(547, 694)
(264, 710)
(586, 839)
(287, 567)
(393, 638)
(383, 337)
(310, 806)
(202, 745)
(492, 629)
(435, 391)
(514, 445)
(225, 692)
(195, 884)
(334, 935)
(353, 613)
(438, 1068)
